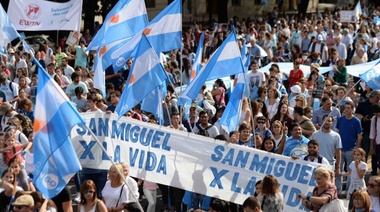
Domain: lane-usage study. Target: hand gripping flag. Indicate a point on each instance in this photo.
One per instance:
(55, 160)
(146, 74)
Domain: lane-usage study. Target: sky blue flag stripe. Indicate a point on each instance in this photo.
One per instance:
(108, 34)
(152, 103)
(7, 31)
(163, 32)
(54, 155)
(230, 118)
(151, 74)
(225, 61)
(372, 77)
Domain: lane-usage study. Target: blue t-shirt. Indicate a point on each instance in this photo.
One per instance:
(295, 147)
(266, 132)
(348, 131)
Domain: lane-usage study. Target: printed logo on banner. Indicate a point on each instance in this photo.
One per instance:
(49, 181)
(120, 61)
(33, 11)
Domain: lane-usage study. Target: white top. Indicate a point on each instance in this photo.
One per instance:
(375, 204)
(82, 209)
(29, 166)
(256, 79)
(212, 131)
(111, 195)
(134, 187)
(374, 132)
(356, 182)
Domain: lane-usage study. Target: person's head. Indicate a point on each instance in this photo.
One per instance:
(361, 200)
(115, 97)
(313, 148)
(203, 118)
(258, 187)
(78, 91)
(126, 168)
(16, 164)
(359, 154)
(326, 103)
(259, 140)
(296, 64)
(373, 186)
(91, 100)
(251, 204)
(9, 139)
(38, 200)
(76, 77)
(298, 112)
(23, 203)
(26, 105)
(261, 122)
(276, 127)
(375, 110)
(374, 96)
(50, 68)
(283, 108)
(254, 66)
(9, 175)
(219, 83)
(313, 76)
(323, 176)
(175, 118)
(113, 174)
(272, 93)
(270, 185)
(328, 120)
(269, 144)
(296, 130)
(244, 130)
(300, 101)
(219, 206)
(349, 108)
(308, 112)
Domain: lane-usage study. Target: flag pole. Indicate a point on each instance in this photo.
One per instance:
(113, 163)
(345, 95)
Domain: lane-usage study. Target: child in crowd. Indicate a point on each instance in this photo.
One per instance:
(80, 100)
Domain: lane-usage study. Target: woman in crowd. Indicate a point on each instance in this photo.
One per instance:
(271, 198)
(21, 175)
(8, 188)
(283, 115)
(219, 93)
(245, 114)
(279, 132)
(89, 201)
(373, 188)
(245, 138)
(18, 130)
(262, 111)
(323, 193)
(312, 80)
(272, 102)
(262, 92)
(115, 193)
(269, 145)
(362, 202)
(41, 204)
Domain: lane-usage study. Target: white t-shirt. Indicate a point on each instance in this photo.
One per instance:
(134, 187)
(256, 79)
(111, 195)
(375, 204)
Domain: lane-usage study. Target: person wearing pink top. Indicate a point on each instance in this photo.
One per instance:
(150, 192)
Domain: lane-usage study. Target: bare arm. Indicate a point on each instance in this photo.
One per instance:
(67, 206)
(359, 143)
(338, 156)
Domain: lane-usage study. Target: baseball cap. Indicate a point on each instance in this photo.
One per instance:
(25, 199)
(320, 38)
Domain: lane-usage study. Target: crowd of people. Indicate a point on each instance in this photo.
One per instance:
(281, 115)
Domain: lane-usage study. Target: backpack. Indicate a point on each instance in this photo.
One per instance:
(320, 158)
(203, 131)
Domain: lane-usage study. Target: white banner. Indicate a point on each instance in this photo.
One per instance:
(188, 161)
(348, 16)
(39, 15)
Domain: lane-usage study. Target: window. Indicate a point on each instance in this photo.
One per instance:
(150, 3)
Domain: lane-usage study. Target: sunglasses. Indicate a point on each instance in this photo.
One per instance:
(89, 192)
(372, 185)
(19, 206)
(327, 85)
(261, 122)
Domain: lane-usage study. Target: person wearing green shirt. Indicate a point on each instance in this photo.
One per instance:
(340, 72)
(59, 56)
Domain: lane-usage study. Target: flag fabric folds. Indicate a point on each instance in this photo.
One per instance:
(54, 155)
(7, 30)
(127, 16)
(372, 77)
(152, 103)
(231, 115)
(225, 61)
(146, 74)
(164, 33)
(358, 10)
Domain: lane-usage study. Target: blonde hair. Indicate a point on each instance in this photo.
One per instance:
(361, 152)
(120, 168)
(323, 171)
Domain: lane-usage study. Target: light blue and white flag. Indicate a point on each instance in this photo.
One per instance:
(231, 116)
(225, 61)
(55, 160)
(372, 77)
(152, 103)
(7, 30)
(164, 33)
(146, 74)
(26, 47)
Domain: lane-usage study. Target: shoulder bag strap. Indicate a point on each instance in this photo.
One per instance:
(121, 191)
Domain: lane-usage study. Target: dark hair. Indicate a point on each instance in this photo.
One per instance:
(251, 203)
(299, 110)
(219, 205)
(244, 126)
(293, 125)
(78, 90)
(273, 141)
(270, 185)
(110, 85)
(313, 142)
(221, 83)
(327, 116)
(74, 75)
(202, 113)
